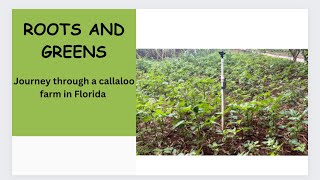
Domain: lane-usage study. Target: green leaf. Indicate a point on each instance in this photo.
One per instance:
(178, 124)
(196, 109)
(294, 142)
(168, 150)
(300, 148)
(146, 118)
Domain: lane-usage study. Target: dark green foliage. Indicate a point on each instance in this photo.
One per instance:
(179, 103)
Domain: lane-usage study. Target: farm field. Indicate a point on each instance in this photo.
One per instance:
(178, 104)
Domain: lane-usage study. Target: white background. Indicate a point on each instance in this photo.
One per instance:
(5, 74)
(183, 29)
(222, 29)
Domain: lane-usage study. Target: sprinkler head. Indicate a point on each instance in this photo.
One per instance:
(221, 53)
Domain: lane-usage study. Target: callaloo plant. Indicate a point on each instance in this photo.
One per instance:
(247, 109)
(204, 86)
(215, 147)
(198, 124)
(251, 148)
(296, 123)
(297, 145)
(273, 146)
(272, 110)
(228, 134)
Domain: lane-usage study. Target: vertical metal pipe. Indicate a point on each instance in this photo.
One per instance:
(222, 94)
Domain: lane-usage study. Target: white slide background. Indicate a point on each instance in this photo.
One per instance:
(222, 29)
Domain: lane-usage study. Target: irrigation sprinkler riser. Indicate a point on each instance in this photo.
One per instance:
(222, 94)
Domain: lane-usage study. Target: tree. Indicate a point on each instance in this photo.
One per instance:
(304, 53)
(294, 54)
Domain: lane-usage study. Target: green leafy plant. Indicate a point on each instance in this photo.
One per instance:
(273, 146)
(178, 104)
(251, 147)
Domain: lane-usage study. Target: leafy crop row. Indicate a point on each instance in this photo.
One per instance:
(178, 105)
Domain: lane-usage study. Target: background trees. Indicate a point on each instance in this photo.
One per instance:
(294, 54)
(304, 53)
(160, 54)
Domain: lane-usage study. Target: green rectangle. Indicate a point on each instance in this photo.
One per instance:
(39, 116)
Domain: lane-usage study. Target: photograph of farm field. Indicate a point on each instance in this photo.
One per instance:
(179, 103)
